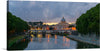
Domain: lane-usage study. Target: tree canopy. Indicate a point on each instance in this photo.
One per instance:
(89, 21)
(15, 24)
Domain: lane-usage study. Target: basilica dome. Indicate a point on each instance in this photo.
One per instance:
(63, 25)
(63, 20)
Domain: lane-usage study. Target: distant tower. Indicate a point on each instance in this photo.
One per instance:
(63, 20)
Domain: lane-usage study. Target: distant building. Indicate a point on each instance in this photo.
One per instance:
(63, 25)
(36, 25)
(72, 27)
(45, 27)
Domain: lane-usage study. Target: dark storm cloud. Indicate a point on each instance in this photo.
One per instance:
(48, 11)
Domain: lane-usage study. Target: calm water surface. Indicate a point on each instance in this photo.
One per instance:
(50, 42)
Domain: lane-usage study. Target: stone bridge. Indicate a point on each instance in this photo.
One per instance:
(49, 31)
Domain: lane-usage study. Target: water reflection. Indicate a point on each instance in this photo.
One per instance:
(63, 38)
(55, 36)
(49, 42)
(67, 42)
(48, 36)
(31, 39)
(39, 37)
(55, 39)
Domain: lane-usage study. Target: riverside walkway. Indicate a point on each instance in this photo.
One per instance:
(86, 40)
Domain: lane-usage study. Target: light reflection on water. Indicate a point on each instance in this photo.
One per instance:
(55, 39)
(48, 36)
(50, 42)
(67, 42)
(31, 39)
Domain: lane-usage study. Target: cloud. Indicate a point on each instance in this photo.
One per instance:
(48, 11)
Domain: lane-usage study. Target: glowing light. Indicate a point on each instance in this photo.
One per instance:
(67, 28)
(31, 39)
(32, 35)
(71, 22)
(73, 28)
(24, 40)
(48, 37)
(47, 28)
(50, 23)
(55, 36)
(39, 35)
(55, 39)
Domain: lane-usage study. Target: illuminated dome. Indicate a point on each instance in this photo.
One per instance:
(63, 20)
(63, 25)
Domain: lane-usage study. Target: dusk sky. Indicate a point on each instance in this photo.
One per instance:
(48, 11)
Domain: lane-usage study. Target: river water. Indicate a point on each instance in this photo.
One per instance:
(50, 42)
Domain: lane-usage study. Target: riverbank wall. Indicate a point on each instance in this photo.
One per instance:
(85, 40)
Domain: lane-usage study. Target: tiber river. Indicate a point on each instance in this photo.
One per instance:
(50, 42)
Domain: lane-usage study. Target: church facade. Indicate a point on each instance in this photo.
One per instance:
(63, 25)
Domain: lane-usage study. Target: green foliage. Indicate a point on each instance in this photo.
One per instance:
(15, 23)
(89, 22)
(14, 39)
(71, 26)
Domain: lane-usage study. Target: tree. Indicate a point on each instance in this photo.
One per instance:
(71, 26)
(89, 21)
(15, 24)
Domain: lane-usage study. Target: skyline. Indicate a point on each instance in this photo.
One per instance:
(49, 12)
